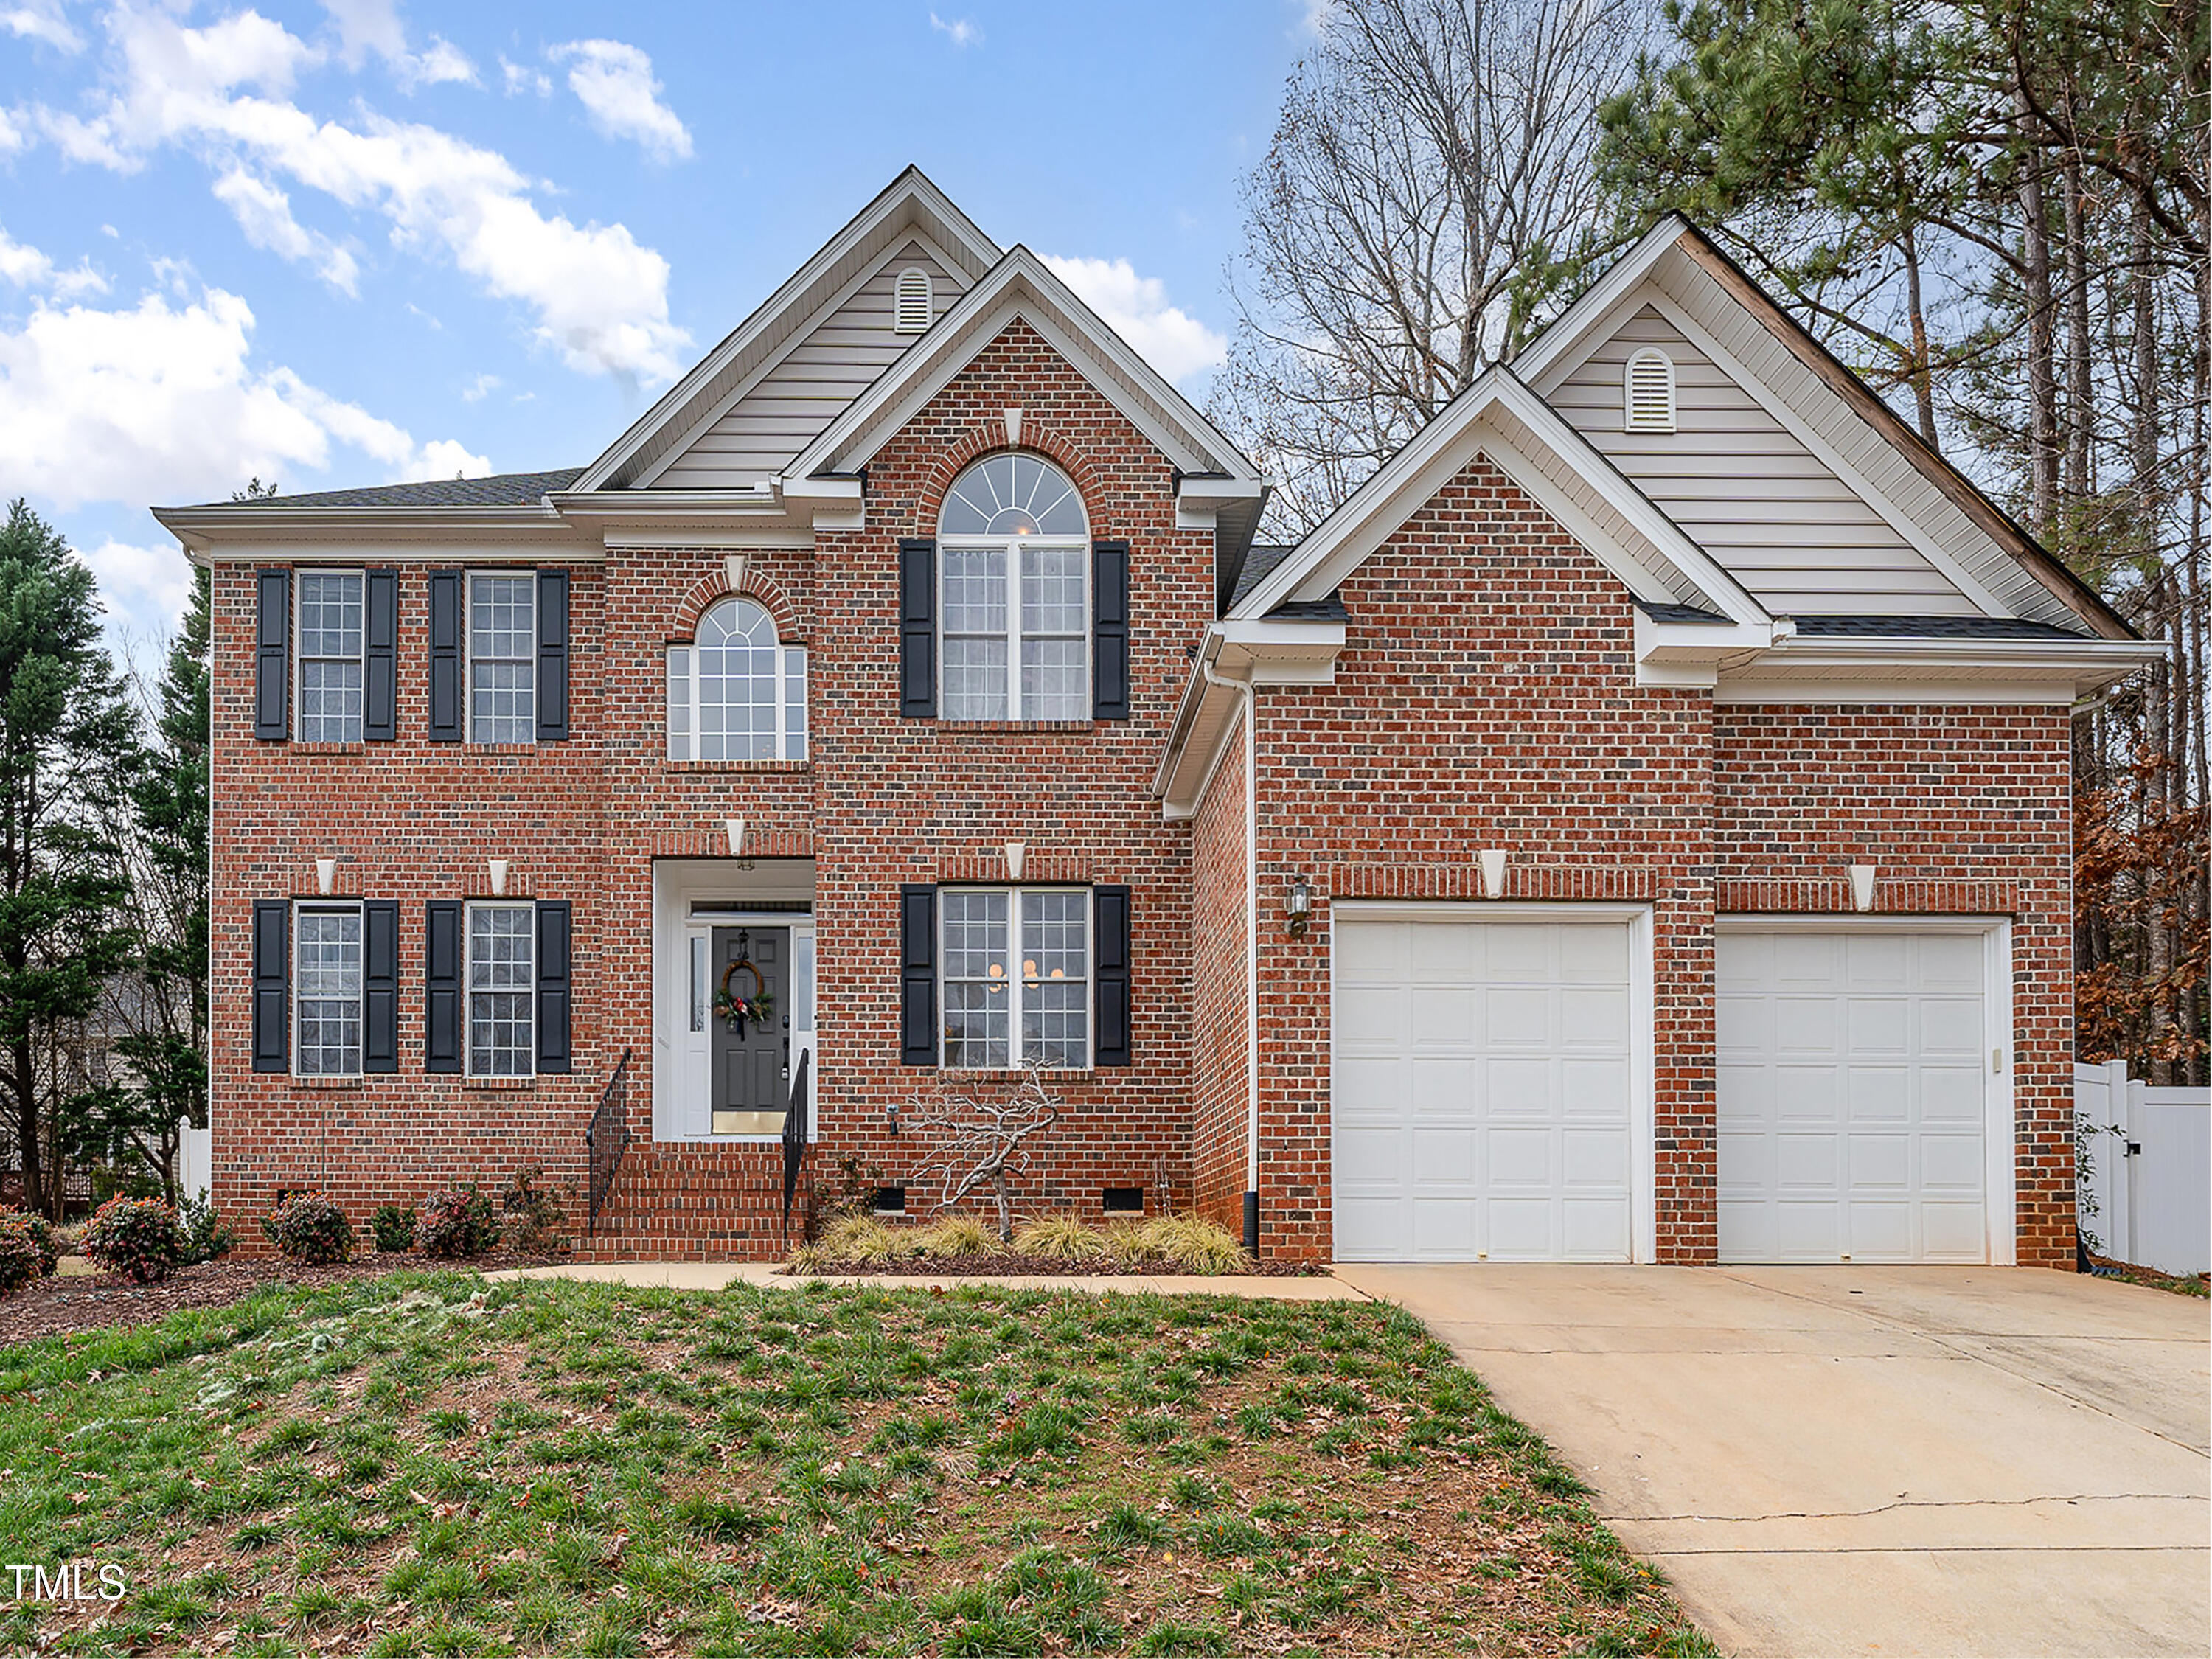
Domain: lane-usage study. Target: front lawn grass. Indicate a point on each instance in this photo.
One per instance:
(426, 1464)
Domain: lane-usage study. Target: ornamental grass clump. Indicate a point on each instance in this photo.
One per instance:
(458, 1222)
(950, 1236)
(134, 1238)
(310, 1229)
(1187, 1242)
(26, 1246)
(1060, 1238)
(859, 1241)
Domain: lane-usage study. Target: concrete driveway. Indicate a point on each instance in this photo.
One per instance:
(1868, 1460)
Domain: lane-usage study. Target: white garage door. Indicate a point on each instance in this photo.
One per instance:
(1851, 1097)
(1481, 1084)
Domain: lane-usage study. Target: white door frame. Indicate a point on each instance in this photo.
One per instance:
(2001, 1217)
(1642, 1044)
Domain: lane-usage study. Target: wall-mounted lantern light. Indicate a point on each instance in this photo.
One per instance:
(1299, 910)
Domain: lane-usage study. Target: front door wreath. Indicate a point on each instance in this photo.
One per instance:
(737, 1006)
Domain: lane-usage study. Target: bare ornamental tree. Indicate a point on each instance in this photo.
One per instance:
(980, 1142)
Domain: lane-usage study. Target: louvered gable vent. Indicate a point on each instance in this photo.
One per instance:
(1649, 392)
(914, 301)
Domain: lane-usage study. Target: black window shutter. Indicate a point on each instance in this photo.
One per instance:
(272, 985)
(442, 986)
(553, 994)
(380, 676)
(917, 628)
(552, 659)
(380, 985)
(1110, 943)
(917, 976)
(272, 658)
(1109, 630)
(446, 664)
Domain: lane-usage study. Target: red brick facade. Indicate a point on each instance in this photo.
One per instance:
(1485, 697)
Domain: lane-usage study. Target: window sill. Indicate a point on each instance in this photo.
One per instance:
(738, 766)
(500, 1084)
(329, 1082)
(501, 748)
(1085, 724)
(1007, 1073)
(301, 747)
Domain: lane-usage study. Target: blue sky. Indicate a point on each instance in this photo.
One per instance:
(356, 241)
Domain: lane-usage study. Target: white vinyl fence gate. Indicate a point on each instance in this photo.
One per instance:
(2153, 1180)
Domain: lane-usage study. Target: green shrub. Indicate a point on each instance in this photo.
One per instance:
(42, 1239)
(459, 1221)
(310, 1229)
(23, 1247)
(535, 1223)
(392, 1227)
(203, 1236)
(134, 1238)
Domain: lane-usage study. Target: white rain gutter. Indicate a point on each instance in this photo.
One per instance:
(1243, 690)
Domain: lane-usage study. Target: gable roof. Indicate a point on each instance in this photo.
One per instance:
(910, 205)
(1905, 479)
(496, 490)
(1023, 286)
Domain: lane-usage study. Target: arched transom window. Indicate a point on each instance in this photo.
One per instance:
(1014, 555)
(734, 694)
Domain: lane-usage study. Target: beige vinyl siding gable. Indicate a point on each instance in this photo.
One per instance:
(807, 387)
(1743, 487)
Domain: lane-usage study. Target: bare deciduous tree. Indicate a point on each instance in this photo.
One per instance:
(983, 1142)
(1427, 200)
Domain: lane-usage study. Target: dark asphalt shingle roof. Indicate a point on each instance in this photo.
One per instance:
(1931, 628)
(1679, 613)
(1328, 609)
(1260, 561)
(500, 490)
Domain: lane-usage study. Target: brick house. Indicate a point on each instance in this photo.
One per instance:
(1634, 826)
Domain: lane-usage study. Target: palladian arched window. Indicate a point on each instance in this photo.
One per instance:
(1014, 559)
(734, 694)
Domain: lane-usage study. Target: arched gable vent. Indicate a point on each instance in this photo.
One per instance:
(1649, 391)
(916, 306)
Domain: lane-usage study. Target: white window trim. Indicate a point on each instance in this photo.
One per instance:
(300, 909)
(529, 660)
(469, 989)
(1012, 546)
(1628, 417)
(784, 654)
(1014, 896)
(300, 656)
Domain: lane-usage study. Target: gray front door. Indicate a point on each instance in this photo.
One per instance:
(753, 1068)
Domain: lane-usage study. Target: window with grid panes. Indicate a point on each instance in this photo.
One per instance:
(328, 709)
(1015, 979)
(1014, 563)
(502, 658)
(326, 975)
(734, 693)
(502, 982)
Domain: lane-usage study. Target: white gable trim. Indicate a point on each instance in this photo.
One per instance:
(1443, 448)
(798, 336)
(1021, 285)
(909, 202)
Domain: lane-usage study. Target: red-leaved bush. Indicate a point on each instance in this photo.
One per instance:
(459, 1221)
(309, 1228)
(136, 1238)
(26, 1249)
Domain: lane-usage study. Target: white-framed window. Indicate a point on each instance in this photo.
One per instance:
(1015, 980)
(1014, 594)
(330, 628)
(502, 658)
(326, 977)
(734, 693)
(502, 981)
(1648, 391)
(916, 303)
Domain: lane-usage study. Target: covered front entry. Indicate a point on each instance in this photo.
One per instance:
(1488, 1082)
(1864, 1092)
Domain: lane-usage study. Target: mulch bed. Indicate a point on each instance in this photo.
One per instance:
(83, 1302)
(1011, 1262)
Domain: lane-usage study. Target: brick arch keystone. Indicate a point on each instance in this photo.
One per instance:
(989, 438)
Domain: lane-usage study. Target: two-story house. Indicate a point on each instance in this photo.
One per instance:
(1634, 826)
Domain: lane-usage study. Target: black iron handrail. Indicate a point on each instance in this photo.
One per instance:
(607, 1139)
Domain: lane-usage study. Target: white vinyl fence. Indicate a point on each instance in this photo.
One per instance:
(195, 1161)
(2153, 1179)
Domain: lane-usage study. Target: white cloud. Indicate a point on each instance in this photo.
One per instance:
(143, 581)
(960, 31)
(478, 389)
(597, 296)
(264, 213)
(12, 136)
(41, 20)
(372, 28)
(614, 82)
(1136, 307)
(160, 402)
(520, 78)
(26, 267)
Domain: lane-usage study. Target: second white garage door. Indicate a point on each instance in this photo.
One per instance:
(1853, 1094)
(1481, 1089)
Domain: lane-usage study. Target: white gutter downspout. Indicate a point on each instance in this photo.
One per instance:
(1243, 690)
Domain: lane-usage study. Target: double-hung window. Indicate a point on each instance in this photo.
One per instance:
(501, 979)
(1017, 976)
(331, 657)
(1014, 563)
(326, 990)
(502, 658)
(734, 694)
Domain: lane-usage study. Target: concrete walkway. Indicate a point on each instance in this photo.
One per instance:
(720, 1275)
(1866, 1459)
